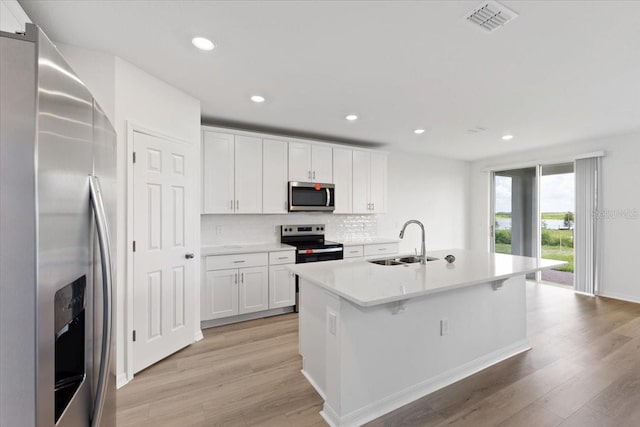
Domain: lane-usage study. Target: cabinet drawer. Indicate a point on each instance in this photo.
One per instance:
(381, 249)
(353, 251)
(221, 262)
(282, 257)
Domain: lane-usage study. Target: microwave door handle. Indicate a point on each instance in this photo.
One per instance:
(328, 197)
(105, 258)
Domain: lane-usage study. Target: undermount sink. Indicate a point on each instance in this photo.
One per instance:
(400, 261)
(386, 262)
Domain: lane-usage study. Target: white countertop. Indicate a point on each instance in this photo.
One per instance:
(244, 249)
(369, 284)
(366, 241)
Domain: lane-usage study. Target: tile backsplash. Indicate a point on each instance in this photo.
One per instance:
(248, 229)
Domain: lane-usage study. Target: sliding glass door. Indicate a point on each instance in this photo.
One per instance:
(533, 214)
(557, 218)
(515, 207)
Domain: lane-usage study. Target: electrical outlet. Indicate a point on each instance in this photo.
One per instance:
(444, 327)
(218, 230)
(333, 320)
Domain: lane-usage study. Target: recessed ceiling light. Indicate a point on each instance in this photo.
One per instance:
(507, 137)
(257, 98)
(202, 43)
(418, 131)
(351, 117)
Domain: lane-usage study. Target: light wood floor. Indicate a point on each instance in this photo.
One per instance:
(583, 371)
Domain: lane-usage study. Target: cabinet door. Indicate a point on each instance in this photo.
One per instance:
(253, 289)
(217, 172)
(378, 182)
(248, 174)
(321, 164)
(361, 172)
(299, 161)
(282, 287)
(343, 179)
(274, 176)
(219, 294)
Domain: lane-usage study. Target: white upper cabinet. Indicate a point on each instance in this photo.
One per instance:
(369, 182)
(299, 161)
(218, 172)
(232, 173)
(310, 162)
(378, 182)
(274, 176)
(361, 173)
(248, 174)
(321, 164)
(244, 173)
(343, 179)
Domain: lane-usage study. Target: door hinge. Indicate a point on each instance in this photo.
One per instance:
(134, 335)
(134, 246)
(134, 157)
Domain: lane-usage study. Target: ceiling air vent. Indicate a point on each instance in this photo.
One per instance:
(490, 15)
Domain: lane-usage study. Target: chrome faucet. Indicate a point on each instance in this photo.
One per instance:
(423, 252)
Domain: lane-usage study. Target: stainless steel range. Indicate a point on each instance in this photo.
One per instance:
(310, 244)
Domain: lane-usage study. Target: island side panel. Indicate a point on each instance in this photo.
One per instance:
(312, 320)
(387, 360)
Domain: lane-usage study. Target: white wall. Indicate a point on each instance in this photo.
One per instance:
(620, 192)
(430, 189)
(130, 95)
(12, 16)
(98, 71)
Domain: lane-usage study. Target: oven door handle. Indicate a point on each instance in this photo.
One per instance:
(319, 251)
(328, 197)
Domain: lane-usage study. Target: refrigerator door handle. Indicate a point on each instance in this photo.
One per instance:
(105, 258)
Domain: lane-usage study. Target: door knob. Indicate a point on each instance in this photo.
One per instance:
(189, 256)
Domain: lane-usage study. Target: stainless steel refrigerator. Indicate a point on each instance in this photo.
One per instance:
(57, 207)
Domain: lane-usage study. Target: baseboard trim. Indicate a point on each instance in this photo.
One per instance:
(121, 380)
(410, 394)
(244, 317)
(314, 384)
(622, 297)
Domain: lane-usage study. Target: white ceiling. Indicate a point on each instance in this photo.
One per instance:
(561, 71)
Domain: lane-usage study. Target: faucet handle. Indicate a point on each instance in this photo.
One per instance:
(416, 251)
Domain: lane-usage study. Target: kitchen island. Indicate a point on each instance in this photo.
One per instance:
(376, 337)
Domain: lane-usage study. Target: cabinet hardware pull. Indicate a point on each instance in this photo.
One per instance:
(314, 175)
(236, 278)
(283, 257)
(237, 262)
(242, 277)
(231, 205)
(237, 205)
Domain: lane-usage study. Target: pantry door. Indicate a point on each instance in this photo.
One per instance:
(164, 208)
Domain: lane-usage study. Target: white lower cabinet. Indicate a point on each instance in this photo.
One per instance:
(219, 294)
(282, 286)
(381, 249)
(353, 251)
(253, 289)
(262, 283)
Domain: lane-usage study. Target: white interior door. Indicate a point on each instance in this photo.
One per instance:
(164, 211)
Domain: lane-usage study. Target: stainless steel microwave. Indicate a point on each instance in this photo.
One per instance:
(311, 196)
